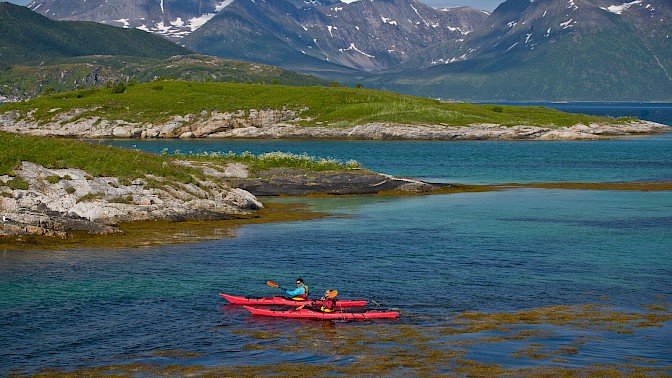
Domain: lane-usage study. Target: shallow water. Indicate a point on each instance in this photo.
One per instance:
(428, 256)
(432, 257)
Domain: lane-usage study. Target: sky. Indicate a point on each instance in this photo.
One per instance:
(488, 5)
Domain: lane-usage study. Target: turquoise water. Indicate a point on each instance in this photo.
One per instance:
(472, 162)
(429, 256)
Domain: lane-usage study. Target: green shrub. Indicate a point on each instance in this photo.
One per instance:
(89, 197)
(121, 199)
(17, 183)
(70, 190)
(118, 87)
(53, 179)
(279, 160)
(48, 90)
(498, 109)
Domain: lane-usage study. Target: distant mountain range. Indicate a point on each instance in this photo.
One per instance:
(557, 50)
(524, 50)
(38, 54)
(26, 37)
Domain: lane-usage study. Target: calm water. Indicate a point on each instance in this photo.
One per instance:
(428, 256)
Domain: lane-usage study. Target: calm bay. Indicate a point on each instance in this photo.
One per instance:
(432, 257)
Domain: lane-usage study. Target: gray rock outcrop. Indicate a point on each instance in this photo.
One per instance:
(293, 182)
(54, 202)
(278, 124)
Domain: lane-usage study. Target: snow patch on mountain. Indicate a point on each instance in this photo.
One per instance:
(388, 20)
(619, 9)
(567, 24)
(223, 5)
(197, 22)
(123, 21)
(354, 48)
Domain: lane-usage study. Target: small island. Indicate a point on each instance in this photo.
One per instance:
(59, 187)
(181, 109)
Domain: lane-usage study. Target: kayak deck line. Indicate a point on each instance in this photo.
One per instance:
(277, 300)
(313, 314)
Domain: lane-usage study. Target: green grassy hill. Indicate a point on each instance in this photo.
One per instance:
(26, 36)
(327, 106)
(67, 74)
(103, 160)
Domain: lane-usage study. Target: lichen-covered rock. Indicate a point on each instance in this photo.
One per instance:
(63, 200)
(271, 123)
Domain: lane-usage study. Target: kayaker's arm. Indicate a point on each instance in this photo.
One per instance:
(309, 304)
(296, 292)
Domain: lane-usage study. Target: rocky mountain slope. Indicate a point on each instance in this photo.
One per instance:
(295, 34)
(363, 35)
(525, 50)
(556, 50)
(170, 18)
(26, 37)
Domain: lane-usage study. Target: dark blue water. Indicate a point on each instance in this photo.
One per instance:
(481, 162)
(429, 256)
(660, 112)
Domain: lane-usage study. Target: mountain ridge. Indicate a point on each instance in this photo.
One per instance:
(27, 36)
(524, 50)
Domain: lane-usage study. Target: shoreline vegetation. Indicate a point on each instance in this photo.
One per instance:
(60, 193)
(181, 109)
(57, 188)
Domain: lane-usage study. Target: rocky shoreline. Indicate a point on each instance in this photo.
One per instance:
(282, 124)
(58, 202)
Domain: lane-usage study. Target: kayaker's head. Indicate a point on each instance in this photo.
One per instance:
(299, 281)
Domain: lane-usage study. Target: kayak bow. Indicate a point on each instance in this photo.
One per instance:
(233, 299)
(311, 314)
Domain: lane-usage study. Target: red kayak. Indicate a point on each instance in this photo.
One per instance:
(287, 302)
(312, 314)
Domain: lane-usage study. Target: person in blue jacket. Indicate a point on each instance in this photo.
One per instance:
(301, 291)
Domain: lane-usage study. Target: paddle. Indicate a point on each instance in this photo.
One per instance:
(273, 284)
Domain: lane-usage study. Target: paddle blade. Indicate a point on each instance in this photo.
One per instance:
(332, 294)
(271, 284)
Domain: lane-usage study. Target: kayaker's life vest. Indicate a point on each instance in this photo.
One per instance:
(329, 305)
(303, 296)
